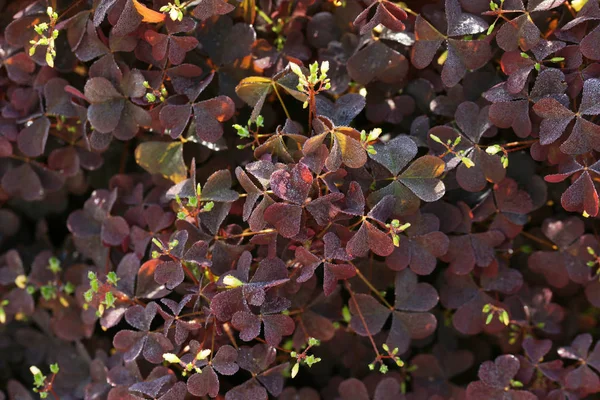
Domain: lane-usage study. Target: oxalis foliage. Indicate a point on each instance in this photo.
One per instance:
(299, 200)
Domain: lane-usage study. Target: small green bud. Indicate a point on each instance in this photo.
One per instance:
(232, 282)
(157, 243)
(112, 278)
(181, 215)
(54, 368)
(346, 314)
(493, 149)
(69, 288)
(435, 138)
(171, 358)
(295, 370)
(208, 206)
(203, 354)
(109, 300)
(88, 295)
(371, 366)
(524, 55)
(467, 162)
(383, 369)
(50, 60)
(324, 67)
(296, 69)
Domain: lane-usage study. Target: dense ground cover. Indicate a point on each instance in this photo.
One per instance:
(305, 199)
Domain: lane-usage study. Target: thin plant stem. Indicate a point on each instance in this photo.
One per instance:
(287, 114)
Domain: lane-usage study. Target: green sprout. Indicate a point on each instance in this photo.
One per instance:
(247, 132)
(308, 359)
(192, 207)
(366, 139)
(3, 304)
(41, 384)
(395, 228)
(175, 10)
(450, 149)
(48, 37)
(317, 75)
(491, 311)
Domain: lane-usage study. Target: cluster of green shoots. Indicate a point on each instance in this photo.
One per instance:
(247, 132)
(450, 146)
(538, 66)
(189, 367)
(392, 355)
(61, 123)
(109, 297)
(594, 263)
(175, 10)
(495, 149)
(396, 228)
(3, 304)
(41, 384)
(491, 311)
(192, 207)
(154, 94)
(53, 289)
(451, 149)
(316, 81)
(48, 37)
(367, 139)
(304, 358)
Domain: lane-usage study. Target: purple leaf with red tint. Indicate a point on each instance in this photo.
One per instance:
(133, 343)
(509, 205)
(495, 383)
(385, 64)
(209, 115)
(535, 351)
(581, 196)
(32, 139)
(569, 261)
(584, 376)
(410, 318)
(208, 8)
(369, 237)
(386, 13)
(460, 292)
(332, 271)
(556, 117)
(420, 249)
